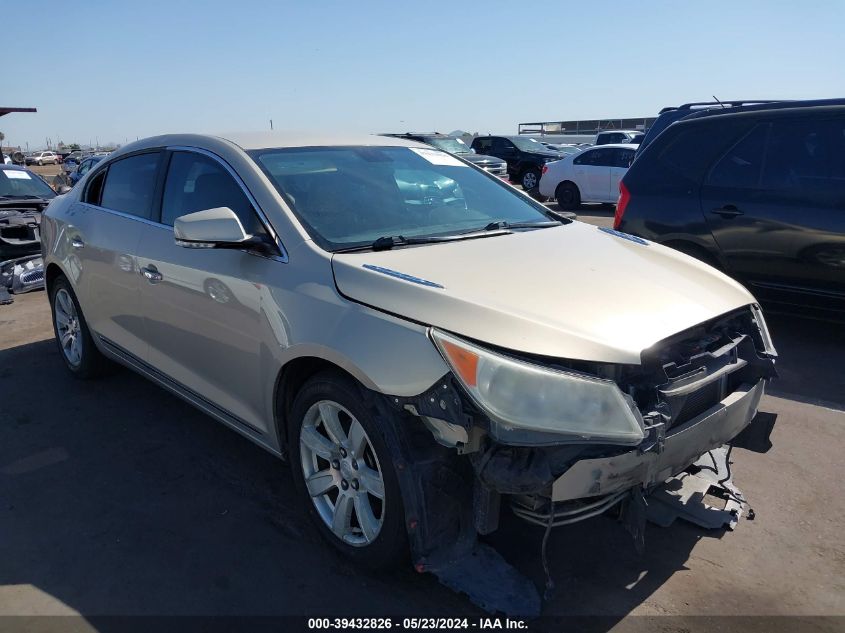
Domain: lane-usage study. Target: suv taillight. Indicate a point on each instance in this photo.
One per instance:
(545, 168)
(624, 199)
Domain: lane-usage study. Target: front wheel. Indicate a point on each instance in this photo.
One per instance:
(343, 467)
(530, 179)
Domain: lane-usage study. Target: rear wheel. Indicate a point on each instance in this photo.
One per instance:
(344, 468)
(73, 337)
(530, 179)
(568, 196)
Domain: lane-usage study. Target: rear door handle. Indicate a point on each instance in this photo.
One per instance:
(152, 274)
(77, 243)
(727, 211)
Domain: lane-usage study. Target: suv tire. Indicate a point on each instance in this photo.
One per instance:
(529, 179)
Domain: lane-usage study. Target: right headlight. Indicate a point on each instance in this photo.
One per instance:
(534, 405)
(768, 345)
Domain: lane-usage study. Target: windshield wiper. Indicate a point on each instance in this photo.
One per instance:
(21, 197)
(389, 241)
(539, 224)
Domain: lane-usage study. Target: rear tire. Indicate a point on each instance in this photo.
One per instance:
(341, 463)
(530, 179)
(76, 345)
(568, 196)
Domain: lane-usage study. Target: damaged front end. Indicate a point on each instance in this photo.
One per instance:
(658, 456)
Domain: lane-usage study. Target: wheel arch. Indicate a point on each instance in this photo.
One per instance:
(52, 272)
(567, 181)
(289, 381)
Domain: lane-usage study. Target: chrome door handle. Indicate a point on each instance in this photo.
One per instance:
(152, 275)
(77, 243)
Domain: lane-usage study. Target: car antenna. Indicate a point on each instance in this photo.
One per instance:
(716, 99)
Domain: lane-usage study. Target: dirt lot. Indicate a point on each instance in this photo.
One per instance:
(117, 498)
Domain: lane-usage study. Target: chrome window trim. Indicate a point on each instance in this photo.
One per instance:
(261, 215)
(167, 227)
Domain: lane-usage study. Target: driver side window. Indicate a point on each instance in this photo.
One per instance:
(196, 183)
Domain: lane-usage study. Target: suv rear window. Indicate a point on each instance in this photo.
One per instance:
(130, 184)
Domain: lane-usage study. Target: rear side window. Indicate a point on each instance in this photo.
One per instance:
(196, 183)
(742, 164)
(806, 156)
(597, 157)
(623, 157)
(130, 185)
(482, 144)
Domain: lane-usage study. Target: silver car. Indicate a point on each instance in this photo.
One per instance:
(421, 342)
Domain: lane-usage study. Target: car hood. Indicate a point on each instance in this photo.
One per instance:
(481, 159)
(573, 291)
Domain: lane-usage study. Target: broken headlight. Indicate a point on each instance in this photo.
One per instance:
(533, 405)
(768, 346)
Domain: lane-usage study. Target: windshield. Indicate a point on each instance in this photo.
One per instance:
(348, 197)
(452, 145)
(16, 183)
(530, 145)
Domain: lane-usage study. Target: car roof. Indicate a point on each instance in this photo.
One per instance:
(413, 134)
(787, 107)
(623, 131)
(12, 167)
(611, 145)
(261, 140)
(269, 139)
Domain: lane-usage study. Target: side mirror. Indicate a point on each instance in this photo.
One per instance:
(212, 228)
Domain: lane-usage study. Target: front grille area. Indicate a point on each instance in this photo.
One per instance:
(500, 170)
(698, 402)
(689, 373)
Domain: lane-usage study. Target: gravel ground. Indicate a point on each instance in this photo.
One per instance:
(117, 498)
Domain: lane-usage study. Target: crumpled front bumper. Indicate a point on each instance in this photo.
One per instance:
(680, 448)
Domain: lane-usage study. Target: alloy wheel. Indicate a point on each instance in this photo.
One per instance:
(342, 473)
(68, 327)
(529, 180)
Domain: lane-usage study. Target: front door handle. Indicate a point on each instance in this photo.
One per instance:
(152, 274)
(727, 211)
(77, 243)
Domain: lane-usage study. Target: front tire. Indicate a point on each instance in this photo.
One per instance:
(344, 469)
(73, 337)
(568, 197)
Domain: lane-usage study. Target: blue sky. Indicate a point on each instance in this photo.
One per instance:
(143, 68)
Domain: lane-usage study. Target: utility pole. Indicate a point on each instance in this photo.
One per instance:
(271, 124)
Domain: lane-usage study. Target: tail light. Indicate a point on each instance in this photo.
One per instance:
(545, 168)
(624, 199)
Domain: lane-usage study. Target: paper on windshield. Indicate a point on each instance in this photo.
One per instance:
(436, 157)
(14, 174)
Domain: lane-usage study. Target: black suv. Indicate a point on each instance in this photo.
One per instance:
(667, 116)
(456, 146)
(758, 192)
(525, 156)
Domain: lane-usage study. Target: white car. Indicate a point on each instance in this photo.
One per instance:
(592, 175)
(42, 158)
